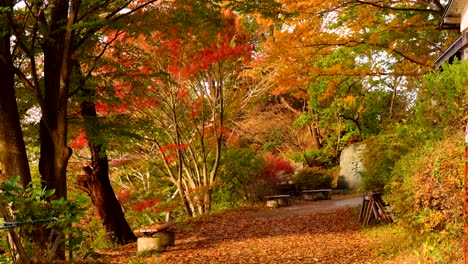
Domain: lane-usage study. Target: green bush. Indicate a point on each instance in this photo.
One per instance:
(418, 164)
(385, 150)
(443, 98)
(441, 105)
(426, 187)
(237, 178)
(35, 216)
(313, 178)
(381, 154)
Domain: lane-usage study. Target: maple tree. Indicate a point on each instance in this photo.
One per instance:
(99, 99)
(112, 98)
(339, 58)
(93, 69)
(184, 87)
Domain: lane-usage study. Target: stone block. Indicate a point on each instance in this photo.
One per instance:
(272, 203)
(167, 238)
(149, 244)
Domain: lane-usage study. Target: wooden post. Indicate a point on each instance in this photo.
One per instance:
(368, 212)
(363, 207)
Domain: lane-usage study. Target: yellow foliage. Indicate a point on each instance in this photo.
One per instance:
(350, 99)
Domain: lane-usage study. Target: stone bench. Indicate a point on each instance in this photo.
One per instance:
(276, 201)
(312, 194)
(154, 238)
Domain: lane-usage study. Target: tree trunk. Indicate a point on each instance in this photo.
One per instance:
(13, 158)
(53, 127)
(207, 199)
(96, 182)
(315, 135)
(97, 185)
(185, 202)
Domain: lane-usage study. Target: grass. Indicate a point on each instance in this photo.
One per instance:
(395, 244)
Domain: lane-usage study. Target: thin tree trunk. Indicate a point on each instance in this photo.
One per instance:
(313, 131)
(187, 208)
(23, 259)
(207, 199)
(392, 103)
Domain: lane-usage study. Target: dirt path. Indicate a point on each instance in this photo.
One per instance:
(304, 208)
(305, 232)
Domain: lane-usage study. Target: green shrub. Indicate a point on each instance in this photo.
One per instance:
(418, 164)
(342, 184)
(381, 154)
(426, 186)
(441, 105)
(313, 178)
(237, 178)
(312, 157)
(443, 98)
(385, 150)
(35, 216)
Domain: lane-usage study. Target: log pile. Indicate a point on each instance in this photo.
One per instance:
(374, 210)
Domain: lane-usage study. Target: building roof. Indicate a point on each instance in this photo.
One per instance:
(452, 13)
(452, 19)
(453, 51)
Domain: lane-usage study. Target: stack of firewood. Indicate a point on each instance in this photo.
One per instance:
(374, 210)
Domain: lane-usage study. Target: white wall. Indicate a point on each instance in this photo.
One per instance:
(464, 18)
(464, 30)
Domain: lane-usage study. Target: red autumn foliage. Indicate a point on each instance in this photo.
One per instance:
(276, 169)
(80, 141)
(124, 196)
(101, 107)
(146, 204)
(172, 147)
(166, 53)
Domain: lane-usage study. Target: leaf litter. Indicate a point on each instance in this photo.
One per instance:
(263, 236)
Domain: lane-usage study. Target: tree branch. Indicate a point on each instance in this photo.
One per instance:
(285, 103)
(399, 8)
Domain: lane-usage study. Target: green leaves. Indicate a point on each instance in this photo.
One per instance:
(33, 211)
(267, 8)
(443, 98)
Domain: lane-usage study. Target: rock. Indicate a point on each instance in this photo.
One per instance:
(351, 165)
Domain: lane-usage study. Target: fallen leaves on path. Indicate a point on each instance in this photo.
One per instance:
(327, 237)
(250, 237)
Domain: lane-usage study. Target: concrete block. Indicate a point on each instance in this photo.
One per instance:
(149, 243)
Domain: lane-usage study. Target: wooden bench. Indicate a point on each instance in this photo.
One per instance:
(154, 238)
(312, 194)
(276, 201)
(286, 188)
